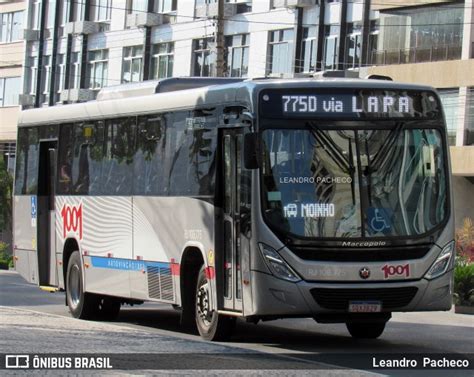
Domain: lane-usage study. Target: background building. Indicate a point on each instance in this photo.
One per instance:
(12, 55)
(76, 47)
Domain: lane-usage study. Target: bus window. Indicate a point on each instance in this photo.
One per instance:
(117, 165)
(79, 159)
(149, 158)
(26, 178)
(191, 154)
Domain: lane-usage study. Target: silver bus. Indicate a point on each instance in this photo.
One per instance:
(259, 199)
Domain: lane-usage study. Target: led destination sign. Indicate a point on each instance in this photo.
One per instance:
(359, 104)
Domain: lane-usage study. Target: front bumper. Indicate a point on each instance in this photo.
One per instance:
(274, 297)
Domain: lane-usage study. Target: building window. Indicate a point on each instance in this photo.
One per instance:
(353, 46)
(32, 74)
(50, 13)
(132, 64)
(165, 6)
(34, 16)
(98, 68)
(75, 71)
(10, 88)
(60, 76)
(101, 10)
(450, 101)
(162, 60)
(204, 57)
(241, 6)
(237, 55)
(373, 40)
(45, 79)
(78, 10)
(309, 49)
(281, 52)
(11, 26)
(331, 46)
(137, 6)
(64, 7)
(204, 2)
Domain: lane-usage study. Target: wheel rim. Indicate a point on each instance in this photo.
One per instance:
(202, 304)
(74, 284)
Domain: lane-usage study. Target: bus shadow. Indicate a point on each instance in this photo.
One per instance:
(305, 335)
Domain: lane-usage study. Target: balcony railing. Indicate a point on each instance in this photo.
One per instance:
(416, 55)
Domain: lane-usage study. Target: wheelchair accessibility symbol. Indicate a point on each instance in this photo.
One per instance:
(379, 219)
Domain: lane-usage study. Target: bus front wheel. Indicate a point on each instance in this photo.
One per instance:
(81, 304)
(365, 330)
(210, 324)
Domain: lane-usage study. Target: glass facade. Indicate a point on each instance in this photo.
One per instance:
(419, 35)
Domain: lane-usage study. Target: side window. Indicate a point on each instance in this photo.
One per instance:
(149, 159)
(177, 149)
(87, 158)
(26, 176)
(117, 168)
(202, 151)
(65, 158)
(191, 151)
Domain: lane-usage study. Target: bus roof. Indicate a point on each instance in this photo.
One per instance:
(147, 97)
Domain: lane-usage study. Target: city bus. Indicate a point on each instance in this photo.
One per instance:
(259, 199)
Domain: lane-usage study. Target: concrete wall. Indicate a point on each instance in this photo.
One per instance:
(442, 74)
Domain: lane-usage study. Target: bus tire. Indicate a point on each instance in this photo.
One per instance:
(108, 308)
(365, 330)
(82, 305)
(210, 324)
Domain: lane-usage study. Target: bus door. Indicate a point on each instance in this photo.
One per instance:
(46, 218)
(232, 238)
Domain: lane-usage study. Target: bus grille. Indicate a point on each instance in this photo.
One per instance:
(360, 254)
(160, 283)
(338, 298)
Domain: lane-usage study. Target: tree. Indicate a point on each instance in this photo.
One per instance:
(6, 188)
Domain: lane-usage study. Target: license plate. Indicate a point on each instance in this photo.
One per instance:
(365, 306)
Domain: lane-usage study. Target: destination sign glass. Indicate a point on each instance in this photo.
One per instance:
(318, 103)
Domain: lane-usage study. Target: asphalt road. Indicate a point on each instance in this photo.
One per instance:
(33, 321)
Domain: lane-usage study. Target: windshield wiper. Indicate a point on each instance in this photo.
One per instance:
(383, 152)
(331, 149)
(352, 172)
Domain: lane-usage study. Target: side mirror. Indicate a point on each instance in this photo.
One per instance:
(251, 150)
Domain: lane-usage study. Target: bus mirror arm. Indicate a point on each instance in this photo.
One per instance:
(251, 150)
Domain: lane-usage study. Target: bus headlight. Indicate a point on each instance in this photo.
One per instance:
(277, 265)
(441, 264)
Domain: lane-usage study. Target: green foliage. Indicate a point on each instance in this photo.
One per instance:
(464, 284)
(6, 260)
(6, 186)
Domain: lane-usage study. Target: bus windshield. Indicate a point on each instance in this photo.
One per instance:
(321, 182)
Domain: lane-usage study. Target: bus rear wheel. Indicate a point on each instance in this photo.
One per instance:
(365, 330)
(81, 304)
(211, 325)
